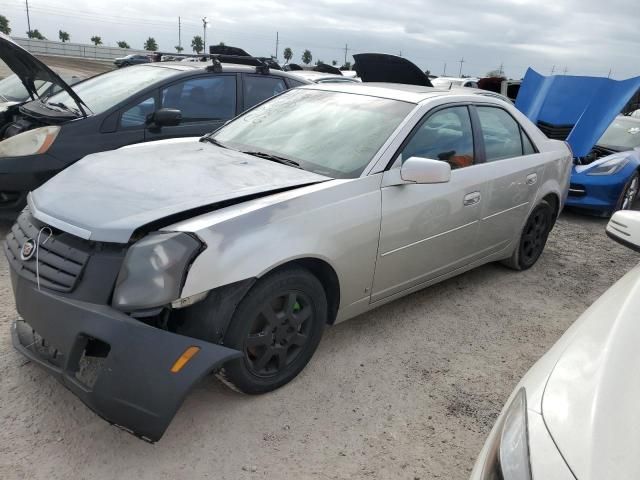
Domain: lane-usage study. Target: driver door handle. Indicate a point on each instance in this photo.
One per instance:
(472, 198)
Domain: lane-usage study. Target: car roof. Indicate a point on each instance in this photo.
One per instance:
(398, 91)
(226, 67)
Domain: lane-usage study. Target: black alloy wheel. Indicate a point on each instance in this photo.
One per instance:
(278, 333)
(277, 326)
(533, 238)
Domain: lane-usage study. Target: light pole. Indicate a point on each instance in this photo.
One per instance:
(28, 20)
(204, 31)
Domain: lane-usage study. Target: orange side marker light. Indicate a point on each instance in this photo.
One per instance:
(183, 359)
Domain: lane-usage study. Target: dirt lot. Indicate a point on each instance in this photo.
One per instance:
(408, 391)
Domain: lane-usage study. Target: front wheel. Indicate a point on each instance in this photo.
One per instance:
(277, 327)
(533, 238)
(629, 193)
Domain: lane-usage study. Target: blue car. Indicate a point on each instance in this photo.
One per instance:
(608, 179)
(585, 112)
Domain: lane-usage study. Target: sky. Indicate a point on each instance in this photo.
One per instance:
(585, 37)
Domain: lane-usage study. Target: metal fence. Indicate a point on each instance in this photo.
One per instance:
(68, 49)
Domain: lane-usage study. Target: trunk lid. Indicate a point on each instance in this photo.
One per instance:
(380, 67)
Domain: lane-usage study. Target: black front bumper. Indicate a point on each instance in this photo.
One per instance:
(18, 177)
(134, 388)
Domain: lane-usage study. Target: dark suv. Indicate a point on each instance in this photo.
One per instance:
(131, 60)
(137, 104)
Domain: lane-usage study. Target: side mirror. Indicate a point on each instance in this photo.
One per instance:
(624, 228)
(425, 170)
(165, 117)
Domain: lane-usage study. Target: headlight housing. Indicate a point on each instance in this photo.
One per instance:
(609, 167)
(31, 142)
(508, 456)
(154, 270)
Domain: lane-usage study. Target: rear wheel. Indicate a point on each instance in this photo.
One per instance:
(277, 327)
(533, 238)
(629, 193)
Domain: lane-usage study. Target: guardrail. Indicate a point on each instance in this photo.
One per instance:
(68, 49)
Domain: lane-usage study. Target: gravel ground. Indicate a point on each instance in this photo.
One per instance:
(407, 391)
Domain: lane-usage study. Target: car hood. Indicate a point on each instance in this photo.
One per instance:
(108, 196)
(590, 403)
(380, 67)
(29, 69)
(588, 104)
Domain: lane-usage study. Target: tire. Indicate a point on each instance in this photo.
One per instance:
(278, 326)
(533, 238)
(629, 193)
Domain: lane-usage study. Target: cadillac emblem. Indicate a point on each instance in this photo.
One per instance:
(27, 250)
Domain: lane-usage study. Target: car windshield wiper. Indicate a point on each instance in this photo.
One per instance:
(275, 158)
(210, 139)
(62, 106)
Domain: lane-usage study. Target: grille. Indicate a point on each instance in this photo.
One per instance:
(61, 259)
(555, 132)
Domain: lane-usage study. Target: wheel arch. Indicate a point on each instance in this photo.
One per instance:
(553, 199)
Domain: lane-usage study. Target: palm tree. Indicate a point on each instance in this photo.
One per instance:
(63, 36)
(288, 55)
(151, 44)
(307, 57)
(36, 34)
(96, 40)
(178, 48)
(197, 44)
(4, 25)
(123, 44)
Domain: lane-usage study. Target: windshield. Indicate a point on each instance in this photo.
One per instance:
(12, 89)
(623, 134)
(105, 91)
(330, 133)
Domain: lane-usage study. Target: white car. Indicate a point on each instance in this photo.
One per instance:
(448, 82)
(575, 414)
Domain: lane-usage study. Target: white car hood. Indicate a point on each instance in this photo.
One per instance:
(107, 196)
(591, 404)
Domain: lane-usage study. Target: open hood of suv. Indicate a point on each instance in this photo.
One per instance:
(107, 196)
(582, 107)
(380, 67)
(29, 69)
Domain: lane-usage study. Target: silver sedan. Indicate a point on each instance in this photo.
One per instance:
(232, 252)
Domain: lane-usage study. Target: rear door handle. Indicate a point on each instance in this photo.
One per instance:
(472, 198)
(532, 179)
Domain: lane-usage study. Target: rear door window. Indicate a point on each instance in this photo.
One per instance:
(258, 88)
(202, 98)
(501, 134)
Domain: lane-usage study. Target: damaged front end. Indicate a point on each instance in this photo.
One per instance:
(120, 346)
